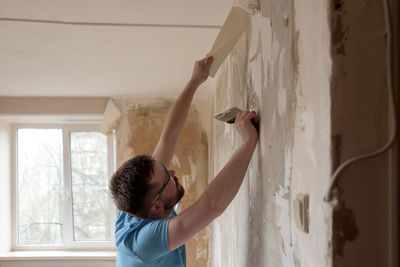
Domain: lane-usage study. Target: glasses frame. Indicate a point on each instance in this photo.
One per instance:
(164, 185)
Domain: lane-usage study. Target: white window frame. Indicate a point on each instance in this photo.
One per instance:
(69, 244)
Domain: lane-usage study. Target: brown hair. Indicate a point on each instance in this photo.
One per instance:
(130, 184)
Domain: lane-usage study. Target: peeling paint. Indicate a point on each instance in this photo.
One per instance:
(273, 71)
(200, 253)
(308, 124)
(175, 161)
(186, 181)
(288, 165)
(311, 155)
(284, 227)
(282, 100)
(192, 170)
(138, 131)
(273, 120)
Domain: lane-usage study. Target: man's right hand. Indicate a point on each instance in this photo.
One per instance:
(245, 127)
(221, 191)
(178, 112)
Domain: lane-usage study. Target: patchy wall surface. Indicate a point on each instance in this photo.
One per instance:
(360, 125)
(280, 68)
(138, 132)
(312, 147)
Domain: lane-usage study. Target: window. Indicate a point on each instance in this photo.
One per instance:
(61, 187)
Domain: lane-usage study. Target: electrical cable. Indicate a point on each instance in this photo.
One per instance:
(113, 24)
(392, 107)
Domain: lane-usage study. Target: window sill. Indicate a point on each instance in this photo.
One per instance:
(58, 255)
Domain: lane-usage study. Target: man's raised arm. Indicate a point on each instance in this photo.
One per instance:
(221, 191)
(178, 112)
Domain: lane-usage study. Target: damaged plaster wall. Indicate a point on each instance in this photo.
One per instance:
(138, 131)
(360, 125)
(281, 68)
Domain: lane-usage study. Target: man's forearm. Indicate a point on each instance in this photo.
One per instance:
(178, 113)
(221, 191)
(226, 184)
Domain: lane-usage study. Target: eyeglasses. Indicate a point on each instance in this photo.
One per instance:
(165, 184)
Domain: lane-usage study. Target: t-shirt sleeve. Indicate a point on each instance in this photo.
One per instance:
(151, 242)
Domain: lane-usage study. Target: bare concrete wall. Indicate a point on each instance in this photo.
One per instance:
(138, 132)
(360, 125)
(281, 68)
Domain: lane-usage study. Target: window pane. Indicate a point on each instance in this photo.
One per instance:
(40, 186)
(89, 164)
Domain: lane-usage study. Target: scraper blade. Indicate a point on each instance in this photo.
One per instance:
(229, 115)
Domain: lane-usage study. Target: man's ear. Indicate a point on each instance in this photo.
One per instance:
(156, 210)
(157, 207)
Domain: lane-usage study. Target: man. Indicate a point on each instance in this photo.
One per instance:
(148, 232)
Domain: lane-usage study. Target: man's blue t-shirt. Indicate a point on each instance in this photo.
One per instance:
(142, 242)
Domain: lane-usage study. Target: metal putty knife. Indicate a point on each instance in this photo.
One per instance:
(229, 116)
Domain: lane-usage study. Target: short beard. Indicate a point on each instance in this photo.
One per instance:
(180, 189)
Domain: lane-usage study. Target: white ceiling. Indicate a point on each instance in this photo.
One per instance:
(154, 58)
